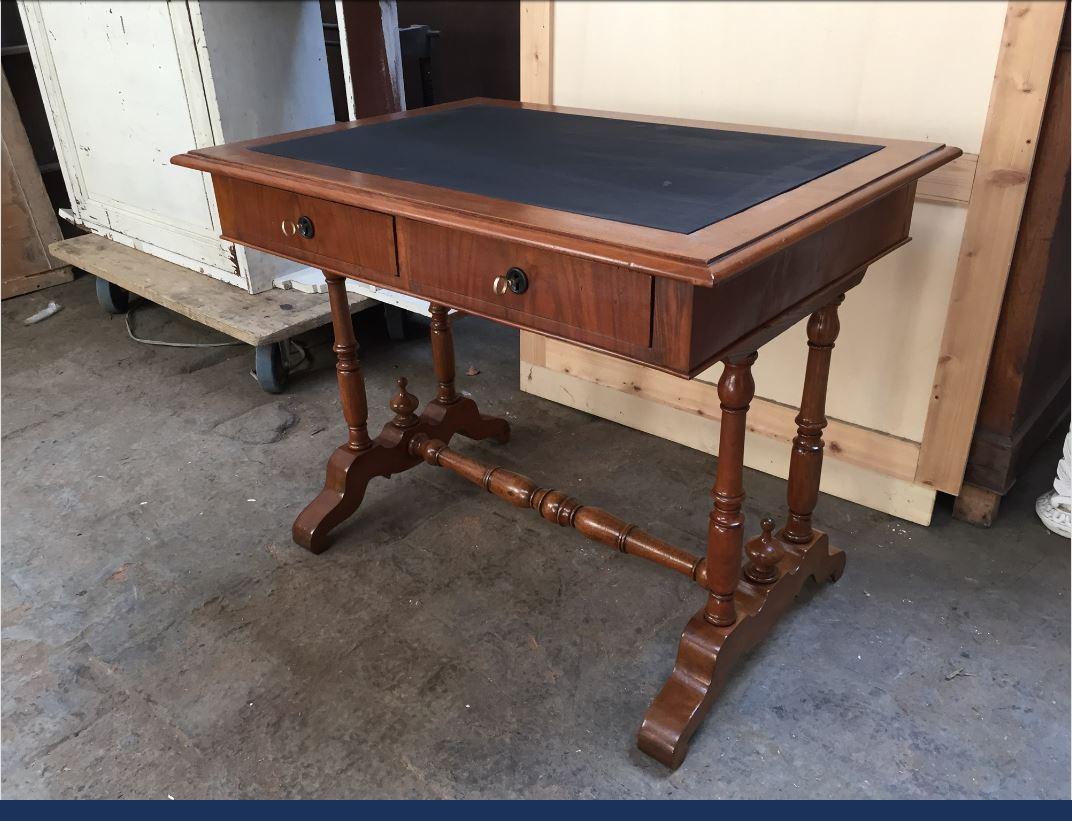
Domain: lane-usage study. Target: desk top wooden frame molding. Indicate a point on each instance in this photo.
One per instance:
(991, 185)
(678, 302)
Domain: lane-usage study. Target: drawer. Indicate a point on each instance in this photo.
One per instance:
(269, 218)
(564, 295)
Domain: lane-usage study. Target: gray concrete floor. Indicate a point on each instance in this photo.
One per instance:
(163, 636)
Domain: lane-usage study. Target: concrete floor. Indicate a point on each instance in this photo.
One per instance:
(163, 636)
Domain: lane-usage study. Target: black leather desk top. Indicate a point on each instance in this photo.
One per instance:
(674, 178)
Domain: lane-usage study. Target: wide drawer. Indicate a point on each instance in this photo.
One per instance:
(306, 228)
(564, 295)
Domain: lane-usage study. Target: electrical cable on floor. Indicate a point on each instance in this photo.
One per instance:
(162, 343)
(288, 345)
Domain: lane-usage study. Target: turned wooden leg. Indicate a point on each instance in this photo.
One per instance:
(347, 366)
(724, 532)
(443, 354)
(447, 400)
(354, 464)
(741, 607)
(806, 461)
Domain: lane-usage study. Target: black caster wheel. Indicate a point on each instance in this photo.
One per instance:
(271, 367)
(403, 326)
(396, 323)
(112, 298)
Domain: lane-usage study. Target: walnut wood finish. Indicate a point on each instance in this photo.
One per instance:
(267, 217)
(579, 299)
(701, 258)
(763, 555)
(660, 322)
(672, 301)
(348, 367)
(725, 523)
(555, 506)
(707, 653)
(806, 460)
(354, 464)
(443, 354)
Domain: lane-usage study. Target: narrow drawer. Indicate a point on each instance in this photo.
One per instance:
(596, 300)
(273, 219)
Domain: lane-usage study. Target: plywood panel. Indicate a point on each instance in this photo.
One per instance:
(952, 183)
(918, 71)
(864, 68)
(848, 443)
(876, 378)
(847, 481)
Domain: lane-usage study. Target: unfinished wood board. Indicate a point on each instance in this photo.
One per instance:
(1020, 88)
(880, 375)
(255, 319)
(848, 443)
(536, 51)
(950, 184)
(976, 505)
(29, 223)
(842, 479)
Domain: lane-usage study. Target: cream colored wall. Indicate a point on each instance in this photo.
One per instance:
(889, 69)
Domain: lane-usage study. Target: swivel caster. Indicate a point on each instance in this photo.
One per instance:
(112, 298)
(272, 368)
(403, 326)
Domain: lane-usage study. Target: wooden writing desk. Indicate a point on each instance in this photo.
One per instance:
(670, 243)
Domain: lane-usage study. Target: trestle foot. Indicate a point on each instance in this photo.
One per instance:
(707, 653)
(349, 471)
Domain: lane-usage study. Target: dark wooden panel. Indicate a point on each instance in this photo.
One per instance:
(598, 300)
(728, 312)
(265, 217)
(376, 88)
(477, 52)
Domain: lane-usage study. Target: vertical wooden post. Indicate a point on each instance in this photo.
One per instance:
(371, 57)
(806, 461)
(1014, 118)
(725, 525)
(351, 381)
(443, 354)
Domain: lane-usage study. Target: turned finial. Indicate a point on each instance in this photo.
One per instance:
(764, 554)
(404, 404)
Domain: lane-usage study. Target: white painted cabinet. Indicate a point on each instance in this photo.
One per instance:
(127, 85)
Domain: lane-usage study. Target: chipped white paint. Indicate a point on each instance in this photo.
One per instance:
(311, 281)
(389, 21)
(128, 85)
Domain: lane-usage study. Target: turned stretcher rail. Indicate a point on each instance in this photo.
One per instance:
(592, 522)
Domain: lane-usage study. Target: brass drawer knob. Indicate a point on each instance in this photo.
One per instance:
(289, 228)
(515, 280)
